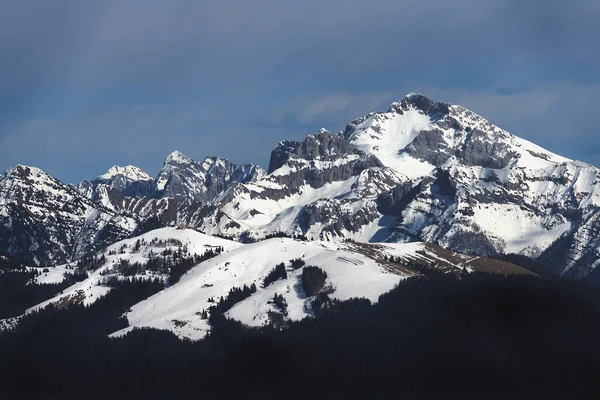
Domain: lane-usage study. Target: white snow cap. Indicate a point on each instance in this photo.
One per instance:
(177, 156)
(128, 171)
(33, 170)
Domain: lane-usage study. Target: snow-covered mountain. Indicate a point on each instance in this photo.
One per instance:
(420, 171)
(181, 178)
(44, 221)
(480, 189)
(423, 171)
(322, 187)
(111, 188)
(132, 191)
(353, 270)
(192, 182)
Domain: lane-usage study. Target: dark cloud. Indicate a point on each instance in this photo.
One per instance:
(132, 80)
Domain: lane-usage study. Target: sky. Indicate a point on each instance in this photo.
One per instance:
(87, 85)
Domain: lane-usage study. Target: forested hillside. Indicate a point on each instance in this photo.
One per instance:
(439, 336)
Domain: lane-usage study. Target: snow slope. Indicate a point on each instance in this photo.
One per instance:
(176, 308)
(385, 135)
(353, 270)
(129, 172)
(90, 289)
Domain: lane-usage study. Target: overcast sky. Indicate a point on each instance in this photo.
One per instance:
(89, 84)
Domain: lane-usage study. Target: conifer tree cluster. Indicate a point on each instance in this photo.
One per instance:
(276, 273)
(234, 296)
(19, 289)
(91, 262)
(277, 317)
(174, 262)
(182, 265)
(74, 276)
(297, 263)
(313, 280)
(280, 303)
(285, 235)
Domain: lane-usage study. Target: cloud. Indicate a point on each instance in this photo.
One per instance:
(170, 43)
(235, 77)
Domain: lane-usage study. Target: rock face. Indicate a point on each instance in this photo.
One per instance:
(191, 181)
(479, 189)
(43, 221)
(323, 186)
(130, 191)
(319, 159)
(420, 171)
(112, 188)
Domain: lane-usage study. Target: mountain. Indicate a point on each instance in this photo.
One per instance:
(111, 188)
(181, 178)
(352, 270)
(471, 178)
(421, 171)
(424, 171)
(131, 191)
(322, 187)
(192, 182)
(43, 221)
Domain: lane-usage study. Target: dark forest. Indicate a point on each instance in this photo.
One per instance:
(440, 336)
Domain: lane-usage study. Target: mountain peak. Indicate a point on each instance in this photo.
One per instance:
(177, 157)
(23, 171)
(211, 160)
(409, 97)
(418, 101)
(129, 171)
